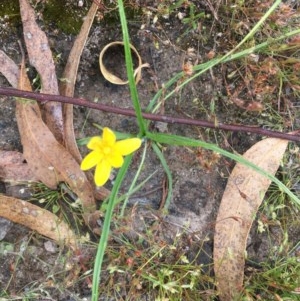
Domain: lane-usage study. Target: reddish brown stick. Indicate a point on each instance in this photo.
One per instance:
(41, 97)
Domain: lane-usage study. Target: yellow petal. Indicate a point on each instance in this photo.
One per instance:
(108, 137)
(127, 146)
(91, 160)
(95, 143)
(115, 159)
(102, 173)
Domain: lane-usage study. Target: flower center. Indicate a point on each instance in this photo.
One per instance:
(106, 150)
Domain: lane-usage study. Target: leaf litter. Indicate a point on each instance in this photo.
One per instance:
(227, 270)
(46, 157)
(67, 86)
(40, 57)
(242, 197)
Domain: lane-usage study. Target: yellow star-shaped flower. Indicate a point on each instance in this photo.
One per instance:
(107, 153)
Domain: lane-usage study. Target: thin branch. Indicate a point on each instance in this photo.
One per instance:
(41, 97)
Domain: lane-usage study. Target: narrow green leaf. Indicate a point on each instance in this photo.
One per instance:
(168, 173)
(183, 141)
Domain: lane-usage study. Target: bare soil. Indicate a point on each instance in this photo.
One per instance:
(27, 263)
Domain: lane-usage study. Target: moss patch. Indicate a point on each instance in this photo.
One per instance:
(9, 13)
(65, 16)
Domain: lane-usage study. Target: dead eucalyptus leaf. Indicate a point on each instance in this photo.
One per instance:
(34, 134)
(14, 169)
(113, 78)
(243, 195)
(49, 160)
(10, 157)
(45, 154)
(37, 219)
(67, 87)
(12, 165)
(40, 56)
(9, 69)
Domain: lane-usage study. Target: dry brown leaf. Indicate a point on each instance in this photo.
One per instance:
(40, 56)
(12, 165)
(9, 69)
(113, 78)
(67, 87)
(10, 157)
(49, 160)
(14, 169)
(37, 219)
(34, 134)
(243, 195)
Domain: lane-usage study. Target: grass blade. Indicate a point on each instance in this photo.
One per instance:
(168, 173)
(130, 73)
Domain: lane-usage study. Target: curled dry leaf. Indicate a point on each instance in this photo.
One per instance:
(37, 219)
(243, 195)
(113, 78)
(40, 56)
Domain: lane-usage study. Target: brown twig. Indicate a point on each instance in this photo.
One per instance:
(41, 97)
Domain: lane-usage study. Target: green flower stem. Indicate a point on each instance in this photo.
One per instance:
(106, 228)
(131, 188)
(130, 72)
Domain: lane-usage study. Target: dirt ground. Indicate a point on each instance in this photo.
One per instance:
(27, 259)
